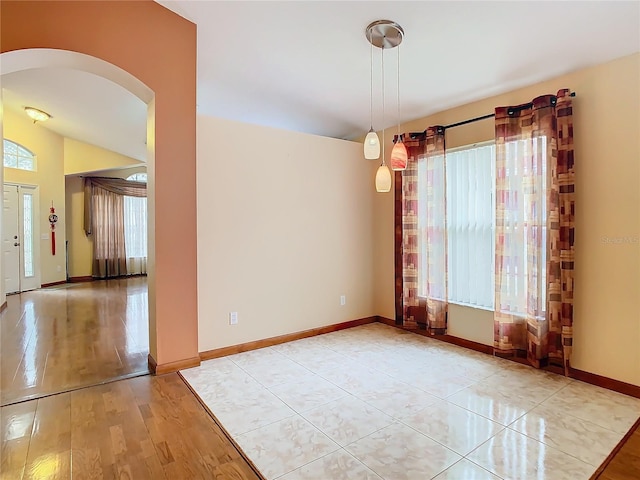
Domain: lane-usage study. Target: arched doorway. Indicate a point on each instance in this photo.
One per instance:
(151, 52)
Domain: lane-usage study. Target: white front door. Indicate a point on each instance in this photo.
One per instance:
(11, 240)
(20, 230)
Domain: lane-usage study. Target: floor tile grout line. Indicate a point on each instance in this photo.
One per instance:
(554, 447)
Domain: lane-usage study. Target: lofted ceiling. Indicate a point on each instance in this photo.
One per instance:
(305, 66)
(83, 106)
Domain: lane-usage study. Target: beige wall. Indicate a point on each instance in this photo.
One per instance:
(80, 157)
(80, 250)
(284, 229)
(607, 147)
(48, 148)
(80, 246)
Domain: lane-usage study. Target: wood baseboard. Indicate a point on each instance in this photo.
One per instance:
(86, 278)
(461, 342)
(587, 377)
(53, 284)
(171, 366)
(605, 382)
(289, 337)
(3, 307)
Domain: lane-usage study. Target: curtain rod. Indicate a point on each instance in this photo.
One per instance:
(471, 120)
(490, 115)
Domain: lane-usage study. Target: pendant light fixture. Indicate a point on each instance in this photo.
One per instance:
(399, 154)
(371, 141)
(383, 34)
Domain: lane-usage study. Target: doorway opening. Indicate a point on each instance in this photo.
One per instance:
(82, 331)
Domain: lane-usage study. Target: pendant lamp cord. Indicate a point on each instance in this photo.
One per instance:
(371, 78)
(399, 93)
(382, 103)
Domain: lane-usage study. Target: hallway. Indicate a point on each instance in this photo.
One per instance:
(74, 335)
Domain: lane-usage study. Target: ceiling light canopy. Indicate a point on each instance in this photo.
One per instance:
(384, 34)
(37, 115)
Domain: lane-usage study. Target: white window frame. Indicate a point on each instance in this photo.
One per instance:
(17, 156)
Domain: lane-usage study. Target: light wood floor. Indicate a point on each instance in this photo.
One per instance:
(141, 428)
(625, 465)
(74, 335)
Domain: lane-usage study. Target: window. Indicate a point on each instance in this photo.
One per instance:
(27, 234)
(524, 286)
(135, 226)
(470, 226)
(138, 177)
(16, 156)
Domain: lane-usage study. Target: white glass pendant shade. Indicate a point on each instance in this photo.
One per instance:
(399, 156)
(371, 145)
(383, 179)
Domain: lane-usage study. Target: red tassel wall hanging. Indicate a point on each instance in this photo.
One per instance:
(53, 218)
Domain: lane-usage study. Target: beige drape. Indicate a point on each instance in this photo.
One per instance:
(107, 227)
(114, 185)
(104, 221)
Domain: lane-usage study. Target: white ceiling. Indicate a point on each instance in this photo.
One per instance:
(304, 66)
(83, 106)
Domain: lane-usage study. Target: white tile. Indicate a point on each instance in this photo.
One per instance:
(579, 438)
(355, 387)
(515, 456)
(608, 409)
(453, 426)
(496, 405)
(466, 470)
(253, 410)
(309, 393)
(347, 419)
(398, 400)
(398, 452)
(276, 371)
(283, 446)
(338, 465)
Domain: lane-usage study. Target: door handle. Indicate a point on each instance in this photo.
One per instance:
(16, 244)
(15, 237)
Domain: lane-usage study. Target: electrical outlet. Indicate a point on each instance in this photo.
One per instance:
(233, 318)
(59, 268)
(343, 300)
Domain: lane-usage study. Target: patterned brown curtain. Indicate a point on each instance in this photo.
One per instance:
(424, 236)
(107, 227)
(535, 210)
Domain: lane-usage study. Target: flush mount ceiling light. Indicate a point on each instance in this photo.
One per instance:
(383, 34)
(36, 114)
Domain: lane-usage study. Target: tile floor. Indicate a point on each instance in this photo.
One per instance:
(375, 402)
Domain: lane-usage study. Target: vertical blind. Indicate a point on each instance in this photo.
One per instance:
(470, 225)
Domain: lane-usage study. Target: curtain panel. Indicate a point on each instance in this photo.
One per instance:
(106, 220)
(109, 255)
(423, 248)
(535, 208)
(117, 186)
